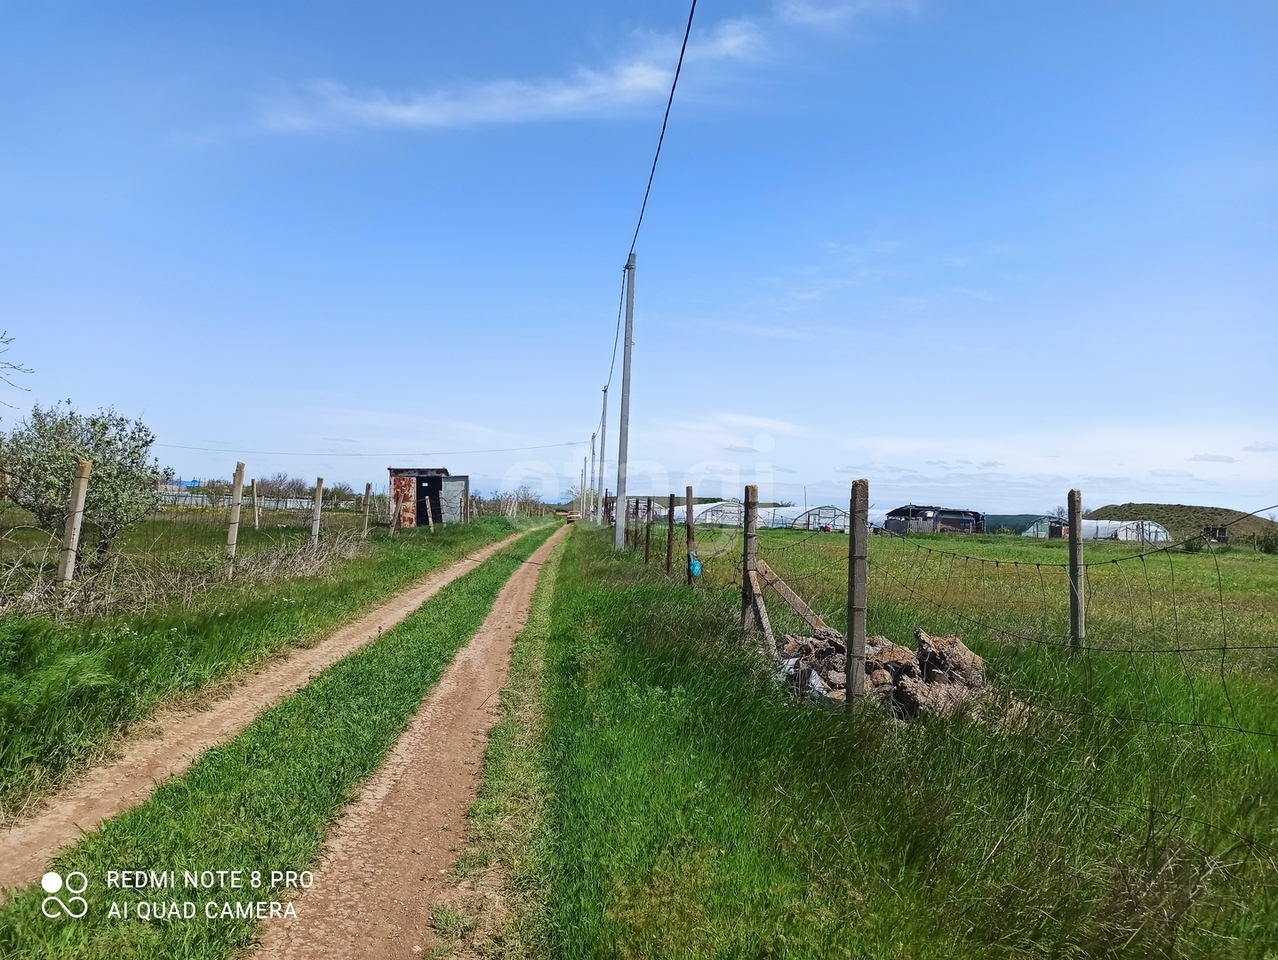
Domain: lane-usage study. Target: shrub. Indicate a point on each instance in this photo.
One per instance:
(40, 457)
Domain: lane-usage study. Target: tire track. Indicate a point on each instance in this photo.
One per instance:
(386, 861)
(176, 738)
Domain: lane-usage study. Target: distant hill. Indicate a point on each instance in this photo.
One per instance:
(1182, 521)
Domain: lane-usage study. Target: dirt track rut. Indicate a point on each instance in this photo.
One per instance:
(177, 738)
(386, 862)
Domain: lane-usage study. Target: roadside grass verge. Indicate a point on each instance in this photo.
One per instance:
(67, 689)
(695, 811)
(265, 800)
(500, 875)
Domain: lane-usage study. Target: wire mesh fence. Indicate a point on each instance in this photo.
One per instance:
(179, 545)
(1157, 731)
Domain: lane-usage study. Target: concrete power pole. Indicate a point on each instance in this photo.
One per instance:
(590, 487)
(603, 457)
(623, 436)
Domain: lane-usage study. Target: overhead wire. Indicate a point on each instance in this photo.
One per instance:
(683, 49)
(315, 453)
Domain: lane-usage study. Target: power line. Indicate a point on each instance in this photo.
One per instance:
(678, 67)
(621, 301)
(432, 453)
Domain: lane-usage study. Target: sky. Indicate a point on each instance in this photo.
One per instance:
(977, 252)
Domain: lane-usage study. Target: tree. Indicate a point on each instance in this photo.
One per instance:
(340, 492)
(40, 457)
(8, 368)
(215, 491)
(284, 486)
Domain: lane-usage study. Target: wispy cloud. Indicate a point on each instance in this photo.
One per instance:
(1212, 458)
(975, 294)
(827, 12)
(641, 78)
(1180, 474)
(1261, 448)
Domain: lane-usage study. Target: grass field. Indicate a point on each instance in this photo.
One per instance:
(67, 689)
(263, 801)
(693, 810)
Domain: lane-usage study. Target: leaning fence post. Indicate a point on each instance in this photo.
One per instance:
(670, 534)
(692, 534)
(257, 505)
(368, 499)
(75, 516)
(237, 498)
(1077, 621)
(316, 509)
(749, 555)
(858, 569)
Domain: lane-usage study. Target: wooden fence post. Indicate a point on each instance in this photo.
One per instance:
(692, 534)
(749, 556)
(1077, 615)
(430, 514)
(670, 535)
(257, 505)
(396, 510)
(647, 537)
(237, 498)
(75, 517)
(368, 500)
(316, 509)
(858, 569)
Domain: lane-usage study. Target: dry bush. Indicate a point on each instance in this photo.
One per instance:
(138, 583)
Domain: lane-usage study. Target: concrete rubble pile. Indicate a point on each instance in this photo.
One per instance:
(941, 677)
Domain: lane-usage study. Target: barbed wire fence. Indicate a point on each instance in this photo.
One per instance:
(178, 541)
(1176, 662)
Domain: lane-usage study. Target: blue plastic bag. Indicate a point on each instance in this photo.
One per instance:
(694, 564)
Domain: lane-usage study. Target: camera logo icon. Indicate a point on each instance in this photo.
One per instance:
(75, 906)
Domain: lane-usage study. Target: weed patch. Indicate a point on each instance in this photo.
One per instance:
(695, 810)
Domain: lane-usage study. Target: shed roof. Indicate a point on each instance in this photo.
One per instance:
(418, 471)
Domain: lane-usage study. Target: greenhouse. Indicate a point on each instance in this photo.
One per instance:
(1127, 531)
(731, 513)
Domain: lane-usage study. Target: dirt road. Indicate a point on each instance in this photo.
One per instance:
(386, 861)
(175, 739)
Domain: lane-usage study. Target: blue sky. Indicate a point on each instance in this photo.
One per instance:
(979, 252)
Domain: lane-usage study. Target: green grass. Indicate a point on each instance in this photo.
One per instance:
(265, 800)
(508, 836)
(694, 811)
(66, 689)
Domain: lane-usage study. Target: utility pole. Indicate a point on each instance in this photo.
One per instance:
(603, 456)
(590, 507)
(623, 437)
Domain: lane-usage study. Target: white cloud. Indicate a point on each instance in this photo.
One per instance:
(1261, 448)
(639, 79)
(1180, 474)
(827, 12)
(1212, 458)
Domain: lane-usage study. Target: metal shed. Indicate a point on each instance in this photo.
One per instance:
(413, 489)
(915, 519)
